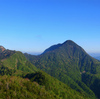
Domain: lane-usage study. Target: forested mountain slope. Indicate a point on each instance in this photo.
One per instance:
(37, 85)
(68, 62)
(14, 61)
(20, 79)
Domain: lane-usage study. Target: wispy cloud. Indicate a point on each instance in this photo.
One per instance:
(39, 36)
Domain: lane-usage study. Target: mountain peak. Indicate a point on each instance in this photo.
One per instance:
(54, 47)
(69, 42)
(2, 48)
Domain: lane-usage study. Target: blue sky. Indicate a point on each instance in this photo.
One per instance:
(34, 25)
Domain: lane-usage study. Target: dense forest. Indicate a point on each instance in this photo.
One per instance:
(68, 62)
(63, 71)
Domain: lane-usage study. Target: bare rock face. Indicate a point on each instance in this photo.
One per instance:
(2, 49)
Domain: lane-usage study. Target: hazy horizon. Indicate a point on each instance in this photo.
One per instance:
(93, 54)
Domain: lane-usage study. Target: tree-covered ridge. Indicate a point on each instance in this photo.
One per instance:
(93, 82)
(40, 85)
(37, 85)
(67, 62)
(59, 88)
(18, 88)
(48, 86)
(6, 71)
(6, 53)
(33, 86)
(16, 64)
(17, 61)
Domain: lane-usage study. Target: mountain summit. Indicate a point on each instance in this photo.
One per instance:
(69, 42)
(54, 47)
(67, 49)
(67, 62)
(67, 54)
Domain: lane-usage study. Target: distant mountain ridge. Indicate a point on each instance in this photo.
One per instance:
(97, 57)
